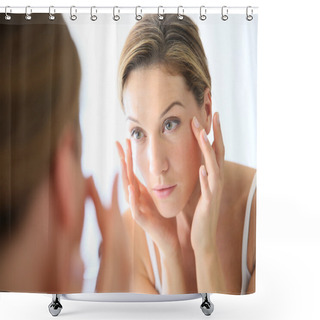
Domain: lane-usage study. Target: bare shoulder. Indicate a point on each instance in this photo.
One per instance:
(237, 184)
(238, 181)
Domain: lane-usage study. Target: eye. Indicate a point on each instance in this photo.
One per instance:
(137, 134)
(170, 124)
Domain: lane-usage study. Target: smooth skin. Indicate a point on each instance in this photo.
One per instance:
(199, 251)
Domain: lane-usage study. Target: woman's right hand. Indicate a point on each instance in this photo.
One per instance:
(163, 231)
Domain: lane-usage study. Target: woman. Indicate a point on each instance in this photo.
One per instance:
(187, 221)
(42, 187)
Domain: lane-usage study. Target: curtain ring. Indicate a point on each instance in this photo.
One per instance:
(180, 15)
(6, 15)
(249, 16)
(160, 16)
(116, 17)
(224, 13)
(93, 17)
(73, 16)
(28, 15)
(138, 16)
(51, 15)
(203, 12)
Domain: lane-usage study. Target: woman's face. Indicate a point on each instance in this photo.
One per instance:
(159, 109)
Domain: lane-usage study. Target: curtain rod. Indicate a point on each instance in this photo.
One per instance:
(126, 9)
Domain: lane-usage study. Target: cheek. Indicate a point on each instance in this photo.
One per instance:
(184, 156)
(187, 156)
(141, 161)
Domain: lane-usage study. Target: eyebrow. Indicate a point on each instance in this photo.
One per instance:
(175, 103)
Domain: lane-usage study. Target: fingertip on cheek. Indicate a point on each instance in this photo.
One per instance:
(204, 136)
(196, 122)
(218, 119)
(203, 171)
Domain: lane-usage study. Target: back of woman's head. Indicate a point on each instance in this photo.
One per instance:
(39, 89)
(170, 42)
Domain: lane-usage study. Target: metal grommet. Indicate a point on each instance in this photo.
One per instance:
(28, 15)
(224, 13)
(51, 15)
(73, 16)
(138, 16)
(249, 16)
(180, 15)
(6, 15)
(93, 17)
(116, 17)
(203, 12)
(160, 15)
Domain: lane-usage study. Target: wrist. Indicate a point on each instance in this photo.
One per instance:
(171, 253)
(204, 245)
(206, 252)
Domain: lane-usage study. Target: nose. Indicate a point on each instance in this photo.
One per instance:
(158, 162)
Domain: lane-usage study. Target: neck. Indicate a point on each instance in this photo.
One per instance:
(23, 264)
(23, 261)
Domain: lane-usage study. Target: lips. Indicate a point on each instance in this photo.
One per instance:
(163, 192)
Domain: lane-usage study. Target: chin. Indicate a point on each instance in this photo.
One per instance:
(169, 210)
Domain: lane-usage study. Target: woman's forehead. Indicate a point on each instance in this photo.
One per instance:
(153, 88)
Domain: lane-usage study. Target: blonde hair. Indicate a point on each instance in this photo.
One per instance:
(39, 89)
(170, 42)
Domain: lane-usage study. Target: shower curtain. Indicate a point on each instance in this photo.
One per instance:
(128, 150)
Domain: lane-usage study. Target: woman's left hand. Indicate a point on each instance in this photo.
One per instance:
(211, 175)
(115, 260)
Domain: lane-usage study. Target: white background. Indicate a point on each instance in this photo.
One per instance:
(288, 221)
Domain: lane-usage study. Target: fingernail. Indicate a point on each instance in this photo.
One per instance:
(196, 122)
(218, 118)
(203, 171)
(204, 136)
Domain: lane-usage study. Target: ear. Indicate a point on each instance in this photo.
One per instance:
(63, 177)
(207, 109)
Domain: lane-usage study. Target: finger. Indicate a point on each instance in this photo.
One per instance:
(132, 178)
(125, 180)
(218, 140)
(206, 148)
(204, 184)
(136, 213)
(124, 175)
(120, 150)
(94, 195)
(129, 162)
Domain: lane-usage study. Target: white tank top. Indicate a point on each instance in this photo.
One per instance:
(246, 276)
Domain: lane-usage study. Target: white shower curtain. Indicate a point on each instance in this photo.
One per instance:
(178, 95)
